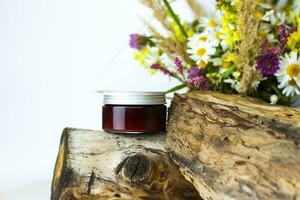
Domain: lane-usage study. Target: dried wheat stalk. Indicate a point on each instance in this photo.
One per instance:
(195, 7)
(172, 45)
(248, 48)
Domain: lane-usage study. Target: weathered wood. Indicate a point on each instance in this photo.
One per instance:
(231, 147)
(93, 165)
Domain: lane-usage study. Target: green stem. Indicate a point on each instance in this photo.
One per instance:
(176, 19)
(178, 78)
(277, 91)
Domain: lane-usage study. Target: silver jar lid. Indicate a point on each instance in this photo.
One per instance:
(134, 98)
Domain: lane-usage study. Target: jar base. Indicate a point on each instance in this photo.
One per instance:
(133, 132)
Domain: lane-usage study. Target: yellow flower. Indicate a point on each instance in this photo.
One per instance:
(230, 58)
(142, 55)
(293, 42)
(147, 57)
(229, 20)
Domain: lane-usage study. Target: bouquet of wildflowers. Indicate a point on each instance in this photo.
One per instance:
(250, 47)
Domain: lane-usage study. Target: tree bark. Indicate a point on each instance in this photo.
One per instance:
(94, 165)
(233, 147)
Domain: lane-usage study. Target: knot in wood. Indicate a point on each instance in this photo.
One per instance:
(136, 168)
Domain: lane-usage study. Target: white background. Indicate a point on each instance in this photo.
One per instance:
(54, 56)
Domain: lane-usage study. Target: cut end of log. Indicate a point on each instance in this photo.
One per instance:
(135, 169)
(94, 165)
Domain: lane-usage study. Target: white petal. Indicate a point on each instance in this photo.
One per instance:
(224, 45)
(217, 61)
(297, 91)
(293, 57)
(283, 82)
(284, 91)
(292, 92)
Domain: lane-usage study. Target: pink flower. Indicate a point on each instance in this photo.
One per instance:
(137, 41)
(283, 35)
(179, 66)
(198, 82)
(162, 69)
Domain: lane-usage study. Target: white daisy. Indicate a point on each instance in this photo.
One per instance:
(213, 38)
(212, 32)
(196, 39)
(288, 74)
(213, 21)
(291, 89)
(202, 52)
(217, 38)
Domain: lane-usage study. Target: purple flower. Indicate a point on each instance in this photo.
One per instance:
(162, 69)
(268, 63)
(179, 66)
(283, 35)
(194, 71)
(198, 82)
(138, 41)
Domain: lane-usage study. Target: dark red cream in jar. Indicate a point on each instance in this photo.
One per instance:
(134, 112)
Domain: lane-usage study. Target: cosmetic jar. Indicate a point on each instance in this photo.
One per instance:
(134, 112)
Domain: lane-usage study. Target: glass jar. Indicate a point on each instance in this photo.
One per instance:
(134, 112)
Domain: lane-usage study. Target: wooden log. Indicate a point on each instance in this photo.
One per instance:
(233, 147)
(94, 165)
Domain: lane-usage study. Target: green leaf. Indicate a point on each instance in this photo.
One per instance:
(229, 71)
(176, 88)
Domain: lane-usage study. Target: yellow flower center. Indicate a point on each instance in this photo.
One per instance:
(226, 65)
(202, 38)
(293, 70)
(294, 40)
(201, 52)
(202, 64)
(218, 35)
(213, 23)
(230, 58)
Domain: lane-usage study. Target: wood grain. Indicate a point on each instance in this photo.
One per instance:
(233, 147)
(94, 165)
